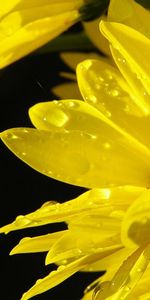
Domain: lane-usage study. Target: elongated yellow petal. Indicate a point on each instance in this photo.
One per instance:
(141, 292)
(73, 246)
(72, 59)
(90, 202)
(65, 114)
(125, 41)
(68, 90)
(92, 29)
(88, 160)
(113, 261)
(102, 86)
(130, 13)
(37, 244)
(126, 278)
(19, 5)
(62, 273)
(136, 223)
(19, 42)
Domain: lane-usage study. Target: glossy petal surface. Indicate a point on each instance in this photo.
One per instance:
(102, 86)
(126, 278)
(136, 223)
(130, 13)
(85, 159)
(136, 71)
(62, 273)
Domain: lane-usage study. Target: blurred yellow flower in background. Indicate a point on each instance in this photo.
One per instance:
(27, 25)
(101, 143)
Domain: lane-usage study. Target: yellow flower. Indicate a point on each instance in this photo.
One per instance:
(27, 25)
(102, 141)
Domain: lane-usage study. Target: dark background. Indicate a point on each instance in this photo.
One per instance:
(23, 190)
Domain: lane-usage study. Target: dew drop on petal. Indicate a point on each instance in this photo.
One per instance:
(22, 221)
(61, 268)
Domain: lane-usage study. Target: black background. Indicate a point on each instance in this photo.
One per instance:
(23, 190)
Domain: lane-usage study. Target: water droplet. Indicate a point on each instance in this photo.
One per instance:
(61, 268)
(25, 130)
(100, 78)
(56, 117)
(72, 104)
(39, 281)
(12, 136)
(108, 113)
(93, 99)
(22, 221)
(121, 60)
(114, 93)
(107, 145)
(49, 203)
(127, 288)
(24, 153)
(50, 172)
(97, 86)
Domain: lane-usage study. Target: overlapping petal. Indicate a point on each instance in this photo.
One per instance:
(25, 26)
(130, 13)
(128, 275)
(102, 141)
(103, 87)
(124, 44)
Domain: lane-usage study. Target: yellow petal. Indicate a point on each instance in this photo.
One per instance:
(135, 226)
(15, 5)
(62, 273)
(68, 90)
(32, 35)
(71, 245)
(72, 59)
(83, 159)
(126, 278)
(37, 244)
(92, 29)
(65, 114)
(113, 261)
(130, 13)
(141, 292)
(102, 86)
(92, 201)
(132, 63)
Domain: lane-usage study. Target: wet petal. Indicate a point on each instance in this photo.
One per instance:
(103, 87)
(62, 273)
(132, 63)
(15, 5)
(88, 160)
(130, 13)
(107, 202)
(20, 40)
(37, 244)
(65, 114)
(72, 246)
(113, 261)
(141, 292)
(126, 278)
(136, 223)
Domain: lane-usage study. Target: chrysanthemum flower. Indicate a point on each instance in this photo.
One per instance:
(100, 143)
(28, 25)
